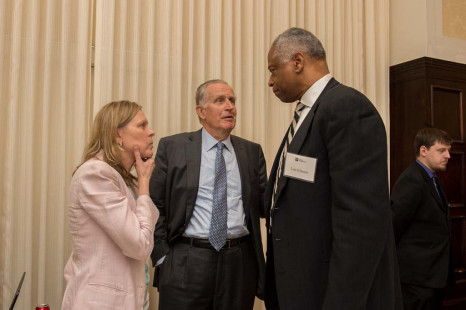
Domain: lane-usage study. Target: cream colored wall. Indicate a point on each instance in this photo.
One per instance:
(432, 28)
(454, 19)
(408, 38)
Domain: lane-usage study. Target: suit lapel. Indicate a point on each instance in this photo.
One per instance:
(243, 166)
(302, 133)
(272, 177)
(444, 204)
(193, 150)
(304, 129)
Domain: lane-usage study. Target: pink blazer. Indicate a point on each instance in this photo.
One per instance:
(112, 236)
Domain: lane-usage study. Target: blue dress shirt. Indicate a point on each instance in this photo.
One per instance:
(199, 224)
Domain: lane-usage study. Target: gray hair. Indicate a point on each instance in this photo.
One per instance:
(200, 93)
(296, 40)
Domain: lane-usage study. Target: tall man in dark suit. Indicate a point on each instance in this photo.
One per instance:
(421, 223)
(330, 240)
(208, 186)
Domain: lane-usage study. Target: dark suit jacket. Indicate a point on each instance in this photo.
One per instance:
(174, 185)
(333, 244)
(422, 229)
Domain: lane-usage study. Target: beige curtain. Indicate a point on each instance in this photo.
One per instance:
(44, 91)
(52, 82)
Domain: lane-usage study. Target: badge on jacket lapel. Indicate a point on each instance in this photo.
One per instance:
(300, 167)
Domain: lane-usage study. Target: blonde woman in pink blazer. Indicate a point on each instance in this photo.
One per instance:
(111, 215)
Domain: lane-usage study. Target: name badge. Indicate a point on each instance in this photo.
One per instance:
(300, 167)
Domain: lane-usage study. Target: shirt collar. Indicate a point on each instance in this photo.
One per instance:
(431, 174)
(313, 92)
(208, 142)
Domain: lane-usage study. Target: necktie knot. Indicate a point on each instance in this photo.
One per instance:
(297, 112)
(220, 146)
(299, 107)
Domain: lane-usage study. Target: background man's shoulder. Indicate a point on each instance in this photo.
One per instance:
(179, 137)
(413, 176)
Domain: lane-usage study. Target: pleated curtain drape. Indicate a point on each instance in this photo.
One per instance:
(60, 61)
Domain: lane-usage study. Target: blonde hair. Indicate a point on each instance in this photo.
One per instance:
(110, 118)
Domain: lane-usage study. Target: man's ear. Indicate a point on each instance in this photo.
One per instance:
(200, 111)
(423, 150)
(298, 61)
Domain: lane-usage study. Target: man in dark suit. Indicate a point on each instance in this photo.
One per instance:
(330, 238)
(208, 186)
(421, 223)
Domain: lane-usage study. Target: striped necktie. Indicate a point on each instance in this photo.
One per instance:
(290, 134)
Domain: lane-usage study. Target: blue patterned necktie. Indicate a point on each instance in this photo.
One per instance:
(290, 134)
(218, 222)
(439, 192)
